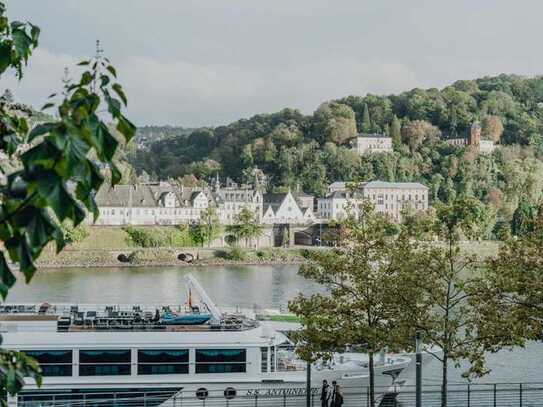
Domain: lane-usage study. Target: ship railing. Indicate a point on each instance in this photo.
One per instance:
(458, 395)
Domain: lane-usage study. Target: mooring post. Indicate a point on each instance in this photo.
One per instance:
(520, 394)
(494, 394)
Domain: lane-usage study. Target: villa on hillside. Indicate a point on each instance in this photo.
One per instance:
(474, 139)
(372, 143)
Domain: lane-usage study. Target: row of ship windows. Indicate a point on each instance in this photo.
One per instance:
(150, 361)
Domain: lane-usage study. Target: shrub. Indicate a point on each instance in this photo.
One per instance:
(236, 254)
(159, 237)
(74, 235)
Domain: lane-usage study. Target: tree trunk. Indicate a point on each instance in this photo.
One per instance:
(444, 384)
(372, 379)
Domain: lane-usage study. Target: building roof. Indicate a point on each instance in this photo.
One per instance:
(337, 185)
(143, 195)
(273, 200)
(395, 185)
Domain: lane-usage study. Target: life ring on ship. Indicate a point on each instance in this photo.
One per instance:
(230, 393)
(202, 393)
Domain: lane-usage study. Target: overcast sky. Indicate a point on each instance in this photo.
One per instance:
(210, 62)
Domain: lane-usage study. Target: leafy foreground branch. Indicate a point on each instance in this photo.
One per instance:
(59, 171)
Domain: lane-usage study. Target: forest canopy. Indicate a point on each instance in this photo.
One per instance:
(308, 152)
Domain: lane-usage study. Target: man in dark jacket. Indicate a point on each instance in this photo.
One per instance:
(325, 394)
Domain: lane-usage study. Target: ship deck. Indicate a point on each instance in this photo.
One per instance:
(126, 317)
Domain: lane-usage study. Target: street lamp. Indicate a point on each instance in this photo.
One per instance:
(418, 366)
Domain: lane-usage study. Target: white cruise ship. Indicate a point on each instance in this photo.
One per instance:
(202, 353)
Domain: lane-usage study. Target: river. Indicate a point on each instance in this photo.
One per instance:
(266, 286)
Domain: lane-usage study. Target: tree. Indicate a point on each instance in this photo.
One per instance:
(492, 128)
(366, 120)
(442, 291)
(362, 280)
(211, 226)
(417, 132)
(515, 288)
(334, 122)
(246, 227)
(396, 131)
(524, 219)
(35, 198)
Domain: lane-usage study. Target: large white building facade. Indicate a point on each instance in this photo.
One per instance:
(165, 204)
(390, 198)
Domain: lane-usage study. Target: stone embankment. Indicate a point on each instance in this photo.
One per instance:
(137, 257)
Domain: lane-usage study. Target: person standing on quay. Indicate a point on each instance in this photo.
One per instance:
(325, 394)
(337, 396)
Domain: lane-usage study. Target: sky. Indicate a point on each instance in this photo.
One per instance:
(210, 62)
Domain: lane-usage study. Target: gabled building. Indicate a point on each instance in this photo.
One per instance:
(283, 208)
(150, 204)
(232, 199)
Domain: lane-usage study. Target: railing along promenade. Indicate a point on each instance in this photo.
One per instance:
(468, 395)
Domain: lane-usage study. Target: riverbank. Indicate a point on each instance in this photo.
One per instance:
(138, 257)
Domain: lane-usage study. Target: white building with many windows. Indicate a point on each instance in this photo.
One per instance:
(390, 198)
(165, 204)
(372, 143)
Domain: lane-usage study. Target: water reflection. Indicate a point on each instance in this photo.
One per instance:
(267, 286)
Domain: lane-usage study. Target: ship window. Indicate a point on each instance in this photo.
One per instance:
(264, 363)
(104, 362)
(221, 360)
(53, 362)
(169, 361)
(272, 359)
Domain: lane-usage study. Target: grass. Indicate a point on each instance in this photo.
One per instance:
(103, 238)
(280, 318)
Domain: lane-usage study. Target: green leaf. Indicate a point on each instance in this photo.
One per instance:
(83, 63)
(22, 43)
(51, 189)
(119, 91)
(5, 56)
(47, 106)
(104, 80)
(115, 174)
(40, 130)
(39, 229)
(7, 279)
(35, 34)
(112, 70)
(86, 78)
(126, 128)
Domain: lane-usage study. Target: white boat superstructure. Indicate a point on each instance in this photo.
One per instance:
(129, 349)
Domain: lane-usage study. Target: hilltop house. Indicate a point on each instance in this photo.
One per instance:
(474, 139)
(372, 143)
